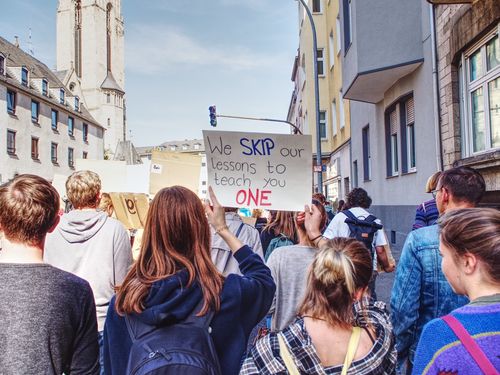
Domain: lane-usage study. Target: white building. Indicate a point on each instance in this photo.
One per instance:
(90, 61)
(44, 126)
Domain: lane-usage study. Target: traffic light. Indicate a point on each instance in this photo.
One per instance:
(213, 115)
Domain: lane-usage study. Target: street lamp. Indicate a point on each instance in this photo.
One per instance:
(316, 97)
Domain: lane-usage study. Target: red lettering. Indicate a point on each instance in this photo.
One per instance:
(259, 198)
(264, 196)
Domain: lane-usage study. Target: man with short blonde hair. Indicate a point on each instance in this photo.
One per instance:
(89, 243)
(48, 317)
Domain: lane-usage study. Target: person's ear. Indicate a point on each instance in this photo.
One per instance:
(54, 226)
(469, 263)
(358, 295)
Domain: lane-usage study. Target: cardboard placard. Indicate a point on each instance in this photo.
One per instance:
(271, 171)
(172, 168)
(131, 209)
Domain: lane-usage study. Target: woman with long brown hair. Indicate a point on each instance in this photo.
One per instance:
(338, 330)
(283, 227)
(174, 276)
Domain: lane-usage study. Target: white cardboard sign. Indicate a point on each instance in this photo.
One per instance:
(271, 171)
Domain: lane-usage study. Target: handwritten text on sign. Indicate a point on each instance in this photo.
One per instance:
(271, 171)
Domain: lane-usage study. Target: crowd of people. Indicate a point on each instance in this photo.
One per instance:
(208, 293)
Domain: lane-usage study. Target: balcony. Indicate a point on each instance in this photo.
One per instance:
(386, 45)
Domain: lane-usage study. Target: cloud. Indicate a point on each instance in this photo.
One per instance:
(150, 49)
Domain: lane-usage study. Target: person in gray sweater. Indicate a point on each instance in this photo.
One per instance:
(48, 321)
(90, 244)
(289, 266)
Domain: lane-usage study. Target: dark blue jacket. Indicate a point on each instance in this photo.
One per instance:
(245, 300)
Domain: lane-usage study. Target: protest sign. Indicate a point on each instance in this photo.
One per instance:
(173, 168)
(271, 171)
(131, 209)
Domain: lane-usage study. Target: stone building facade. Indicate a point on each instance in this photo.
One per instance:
(468, 53)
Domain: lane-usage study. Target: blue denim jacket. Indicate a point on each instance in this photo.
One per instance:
(420, 292)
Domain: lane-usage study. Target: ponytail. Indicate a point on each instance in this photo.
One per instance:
(341, 268)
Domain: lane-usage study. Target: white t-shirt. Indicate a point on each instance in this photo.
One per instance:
(338, 227)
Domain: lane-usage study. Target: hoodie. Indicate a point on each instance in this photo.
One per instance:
(244, 302)
(94, 247)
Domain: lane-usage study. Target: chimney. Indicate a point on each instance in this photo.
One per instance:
(16, 41)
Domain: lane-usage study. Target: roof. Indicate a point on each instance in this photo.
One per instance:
(16, 57)
(126, 151)
(189, 146)
(111, 84)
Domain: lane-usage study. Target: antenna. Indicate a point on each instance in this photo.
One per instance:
(30, 44)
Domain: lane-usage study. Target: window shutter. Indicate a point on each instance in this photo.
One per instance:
(410, 111)
(393, 119)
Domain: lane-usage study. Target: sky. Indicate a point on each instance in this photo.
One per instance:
(183, 56)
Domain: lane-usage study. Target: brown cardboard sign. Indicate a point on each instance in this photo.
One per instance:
(131, 209)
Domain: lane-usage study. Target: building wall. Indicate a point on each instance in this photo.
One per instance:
(395, 198)
(21, 122)
(458, 29)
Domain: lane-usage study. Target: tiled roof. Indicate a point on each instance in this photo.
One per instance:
(16, 57)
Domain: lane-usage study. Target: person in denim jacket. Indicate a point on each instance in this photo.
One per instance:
(421, 292)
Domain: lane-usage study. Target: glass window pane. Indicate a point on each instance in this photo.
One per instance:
(478, 124)
(493, 53)
(476, 66)
(494, 98)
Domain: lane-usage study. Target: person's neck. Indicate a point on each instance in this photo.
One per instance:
(478, 290)
(303, 240)
(452, 205)
(86, 209)
(15, 252)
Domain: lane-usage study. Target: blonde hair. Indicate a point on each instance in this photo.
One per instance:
(342, 267)
(83, 188)
(256, 213)
(106, 204)
(432, 182)
(29, 206)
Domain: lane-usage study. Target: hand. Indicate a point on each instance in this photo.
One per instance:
(390, 268)
(312, 221)
(215, 214)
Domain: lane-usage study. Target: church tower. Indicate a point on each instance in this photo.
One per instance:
(90, 55)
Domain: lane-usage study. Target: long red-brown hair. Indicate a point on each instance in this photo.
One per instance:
(176, 236)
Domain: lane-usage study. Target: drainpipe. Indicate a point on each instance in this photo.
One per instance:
(435, 90)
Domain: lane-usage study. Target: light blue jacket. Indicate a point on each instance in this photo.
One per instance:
(420, 292)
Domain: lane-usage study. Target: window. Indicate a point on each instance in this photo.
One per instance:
(367, 160)
(184, 147)
(34, 148)
(71, 126)
(108, 98)
(53, 152)
(480, 92)
(334, 117)
(55, 120)
(85, 155)
(316, 6)
(173, 148)
(85, 131)
(339, 41)
(11, 142)
(331, 49)
(341, 110)
(196, 146)
(11, 102)
(77, 103)
(24, 76)
(322, 124)
(2, 64)
(392, 126)
(35, 111)
(61, 96)
(71, 160)
(410, 134)
(347, 4)
(109, 122)
(45, 87)
(320, 62)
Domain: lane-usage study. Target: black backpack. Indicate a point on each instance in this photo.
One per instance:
(184, 348)
(361, 228)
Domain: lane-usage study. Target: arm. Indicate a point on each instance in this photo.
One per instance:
(383, 259)
(122, 258)
(420, 220)
(405, 298)
(85, 358)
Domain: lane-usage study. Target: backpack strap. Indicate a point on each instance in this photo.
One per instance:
(239, 230)
(369, 221)
(286, 356)
(352, 347)
(470, 345)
